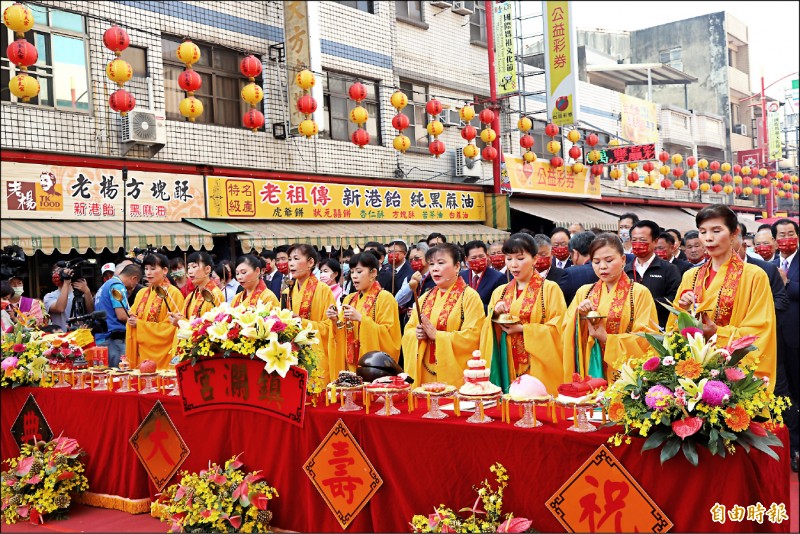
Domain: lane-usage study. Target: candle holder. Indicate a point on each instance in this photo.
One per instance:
(61, 381)
(176, 391)
(148, 384)
(79, 379)
(528, 419)
(432, 397)
(102, 381)
(581, 420)
(388, 408)
(126, 383)
(480, 417)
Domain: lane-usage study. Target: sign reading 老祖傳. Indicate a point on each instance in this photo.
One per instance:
(601, 496)
(540, 178)
(34, 191)
(256, 198)
(241, 383)
(342, 474)
(561, 63)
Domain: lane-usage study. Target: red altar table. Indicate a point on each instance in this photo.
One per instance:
(423, 463)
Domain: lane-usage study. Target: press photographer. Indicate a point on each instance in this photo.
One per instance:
(72, 297)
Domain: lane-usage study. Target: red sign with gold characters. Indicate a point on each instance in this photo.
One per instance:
(240, 383)
(159, 446)
(30, 425)
(342, 474)
(603, 497)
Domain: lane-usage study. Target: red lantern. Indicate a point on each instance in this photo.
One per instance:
(574, 152)
(663, 157)
(121, 101)
(714, 165)
(22, 54)
(489, 153)
(306, 105)
(361, 137)
(556, 162)
(469, 132)
(717, 188)
(794, 187)
(693, 185)
(486, 116)
(727, 178)
(666, 183)
(551, 130)
(592, 139)
(433, 107)
(746, 180)
(756, 191)
(633, 177)
(400, 122)
(190, 81)
(677, 172)
(704, 176)
(691, 161)
(253, 119)
(436, 147)
(596, 170)
(526, 141)
(737, 169)
(648, 166)
(737, 190)
(116, 39)
(358, 92)
(250, 67)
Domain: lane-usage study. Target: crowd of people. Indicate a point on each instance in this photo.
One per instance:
(431, 304)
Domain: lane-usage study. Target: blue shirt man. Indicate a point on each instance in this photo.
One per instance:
(116, 311)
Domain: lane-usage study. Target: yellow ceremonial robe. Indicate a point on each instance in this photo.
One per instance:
(379, 330)
(542, 340)
(191, 310)
(453, 346)
(320, 302)
(753, 314)
(266, 296)
(152, 340)
(619, 347)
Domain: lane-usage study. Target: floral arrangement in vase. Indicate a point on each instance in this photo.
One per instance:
(489, 519)
(686, 391)
(217, 499)
(23, 361)
(42, 480)
(262, 331)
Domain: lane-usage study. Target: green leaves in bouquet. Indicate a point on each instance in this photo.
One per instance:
(655, 439)
(685, 320)
(763, 443)
(690, 452)
(670, 449)
(657, 342)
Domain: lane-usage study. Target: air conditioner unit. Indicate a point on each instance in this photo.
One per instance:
(441, 3)
(740, 129)
(463, 8)
(450, 117)
(469, 170)
(145, 128)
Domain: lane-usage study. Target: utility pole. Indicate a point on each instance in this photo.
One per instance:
(489, 8)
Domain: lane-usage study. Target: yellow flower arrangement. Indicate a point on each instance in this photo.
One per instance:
(23, 362)
(42, 479)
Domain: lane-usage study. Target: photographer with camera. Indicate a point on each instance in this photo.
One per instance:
(72, 297)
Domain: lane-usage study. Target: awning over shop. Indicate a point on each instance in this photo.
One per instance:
(216, 227)
(563, 213)
(268, 234)
(663, 216)
(33, 235)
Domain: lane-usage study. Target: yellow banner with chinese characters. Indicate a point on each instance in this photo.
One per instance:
(561, 63)
(539, 178)
(255, 198)
(639, 120)
(505, 56)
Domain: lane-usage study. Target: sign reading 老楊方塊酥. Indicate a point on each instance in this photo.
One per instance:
(240, 383)
(33, 191)
(505, 55)
(561, 63)
(627, 154)
(540, 178)
(257, 198)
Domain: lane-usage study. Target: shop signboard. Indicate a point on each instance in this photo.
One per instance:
(34, 191)
(256, 198)
(561, 62)
(303, 51)
(627, 154)
(505, 54)
(539, 178)
(639, 120)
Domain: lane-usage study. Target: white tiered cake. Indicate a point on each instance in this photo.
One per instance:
(476, 378)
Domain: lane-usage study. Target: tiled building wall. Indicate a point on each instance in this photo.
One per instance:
(370, 45)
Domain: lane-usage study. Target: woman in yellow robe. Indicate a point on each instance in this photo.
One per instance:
(248, 274)
(309, 299)
(534, 345)
(371, 318)
(733, 298)
(598, 348)
(442, 335)
(150, 333)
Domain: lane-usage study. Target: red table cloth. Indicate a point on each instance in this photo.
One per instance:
(423, 463)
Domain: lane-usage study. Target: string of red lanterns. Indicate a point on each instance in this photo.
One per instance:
(306, 104)
(359, 114)
(526, 141)
(468, 132)
(118, 70)
(488, 135)
(400, 121)
(189, 53)
(435, 128)
(251, 67)
(19, 19)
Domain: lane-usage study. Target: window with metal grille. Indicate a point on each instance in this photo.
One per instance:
(361, 5)
(337, 102)
(409, 10)
(477, 23)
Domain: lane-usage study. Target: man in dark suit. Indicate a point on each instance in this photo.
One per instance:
(785, 232)
(398, 250)
(657, 275)
(677, 253)
(272, 277)
(664, 247)
(581, 272)
(479, 276)
(559, 239)
(544, 260)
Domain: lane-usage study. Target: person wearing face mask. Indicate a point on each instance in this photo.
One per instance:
(733, 298)
(6, 320)
(498, 259)
(150, 333)
(248, 274)
(543, 263)
(559, 238)
(61, 303)
(346, 282)
(626, 222)
(177, 270)
(665, 247)
(421, 278)
(788, 383)
(478, 275)
(598, 347)
(28, 306)
(398, 250)
(581, 272)
(765, 244)
(369, 320)
(271, 275)
(444, 332)
(329, 273)
(532, 346)
(657, 275)
(779, 295)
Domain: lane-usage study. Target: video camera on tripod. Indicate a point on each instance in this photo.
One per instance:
(12, 262)
(68, 270)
